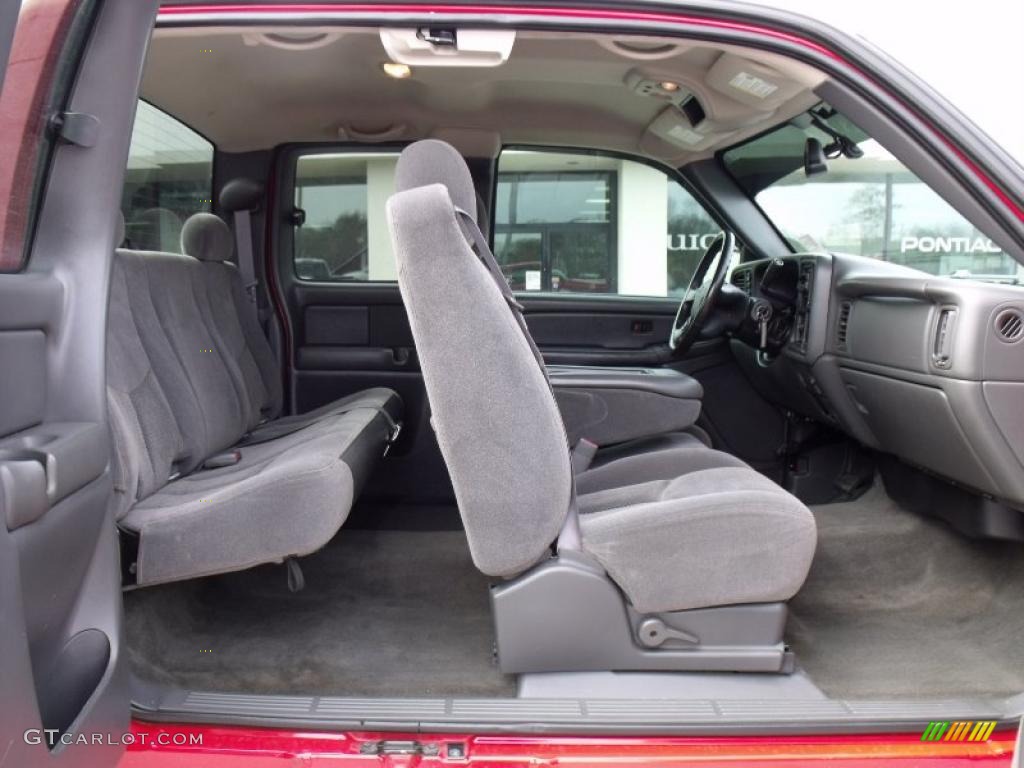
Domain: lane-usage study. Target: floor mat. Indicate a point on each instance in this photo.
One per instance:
(898, 605)
(384, 613)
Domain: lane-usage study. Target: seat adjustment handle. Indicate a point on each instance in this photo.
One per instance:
(653, 633)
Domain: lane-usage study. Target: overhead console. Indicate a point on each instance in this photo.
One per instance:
(736, 94)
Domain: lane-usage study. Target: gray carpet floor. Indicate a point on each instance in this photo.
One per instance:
(384, 613)
(898, 605)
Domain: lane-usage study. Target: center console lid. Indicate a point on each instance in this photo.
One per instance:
(612, 405)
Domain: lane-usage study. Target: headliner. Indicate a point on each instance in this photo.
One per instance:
(246, 88)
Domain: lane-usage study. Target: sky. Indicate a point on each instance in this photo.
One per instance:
(970, 52)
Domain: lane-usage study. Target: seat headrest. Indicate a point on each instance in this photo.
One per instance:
(241, 194)
(206, 238)
(156, 229)
(435, 162)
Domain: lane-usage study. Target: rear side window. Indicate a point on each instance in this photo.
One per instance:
(563, 222)
(341, 234)
(169, 177)
(585, 223)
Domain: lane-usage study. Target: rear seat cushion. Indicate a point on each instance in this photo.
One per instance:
(362, 456)
(285, 497)
(178, 396)
(378, 398)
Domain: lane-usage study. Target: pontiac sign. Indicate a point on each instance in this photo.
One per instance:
(927, 244)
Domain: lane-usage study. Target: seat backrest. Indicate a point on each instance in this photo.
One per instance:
(183, 383)
(496, 420)
(148, 445)
(252, 362)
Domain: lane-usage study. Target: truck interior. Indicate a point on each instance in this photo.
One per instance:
(508, 376)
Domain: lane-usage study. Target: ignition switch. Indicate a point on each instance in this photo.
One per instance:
(761, 312)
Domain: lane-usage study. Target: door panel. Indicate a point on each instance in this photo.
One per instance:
(570, 231)
(582, 330)
(63, 671)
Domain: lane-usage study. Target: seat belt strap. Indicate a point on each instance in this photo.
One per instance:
(570, 538)
(583, 455)
(483, 251)
(247, 260)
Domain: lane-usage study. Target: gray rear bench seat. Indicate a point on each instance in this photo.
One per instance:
(208, 476)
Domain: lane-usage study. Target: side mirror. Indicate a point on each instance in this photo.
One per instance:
(814, 158)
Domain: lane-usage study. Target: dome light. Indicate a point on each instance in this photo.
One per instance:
(396, 70)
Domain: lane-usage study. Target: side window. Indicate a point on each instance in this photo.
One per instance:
(343, 235)
(169, 177)
(586, 223)
(865, 203)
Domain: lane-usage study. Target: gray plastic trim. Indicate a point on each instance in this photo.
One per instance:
(704, 686)
(572, 715)
(659, 381)
(566, 615)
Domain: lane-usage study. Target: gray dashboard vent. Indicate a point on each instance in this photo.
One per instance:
(1009, 325)
(743, 278)
(843, 326)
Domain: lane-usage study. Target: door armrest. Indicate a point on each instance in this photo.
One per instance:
(613, 405)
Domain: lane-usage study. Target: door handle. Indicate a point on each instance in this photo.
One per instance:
(61, 457)
(641, 327)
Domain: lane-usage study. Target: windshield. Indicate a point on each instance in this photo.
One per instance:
(869, 205)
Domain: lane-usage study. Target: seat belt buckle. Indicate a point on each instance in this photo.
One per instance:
(250, 291)
(221, 460)
(394, 431)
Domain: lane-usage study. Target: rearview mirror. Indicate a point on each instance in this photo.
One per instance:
(814, 158)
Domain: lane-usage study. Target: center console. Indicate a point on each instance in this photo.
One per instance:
(612, 405)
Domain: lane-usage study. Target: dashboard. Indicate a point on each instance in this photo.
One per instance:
(929, 369)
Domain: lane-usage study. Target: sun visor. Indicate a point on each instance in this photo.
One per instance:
(750, 83)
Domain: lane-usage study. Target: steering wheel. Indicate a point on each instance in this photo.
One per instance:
(700, 295)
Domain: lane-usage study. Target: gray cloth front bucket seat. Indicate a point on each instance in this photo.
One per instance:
(690, 539)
